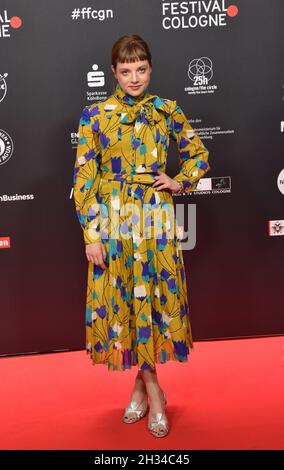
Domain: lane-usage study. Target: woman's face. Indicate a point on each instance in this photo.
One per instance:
(133, 77)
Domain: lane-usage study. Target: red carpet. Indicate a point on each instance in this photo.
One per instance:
(230, 395)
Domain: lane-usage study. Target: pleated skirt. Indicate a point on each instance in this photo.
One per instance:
(137, 310)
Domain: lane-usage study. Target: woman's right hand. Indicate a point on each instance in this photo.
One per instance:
(96, 253)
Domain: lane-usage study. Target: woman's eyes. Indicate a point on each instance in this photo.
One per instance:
(141, 70)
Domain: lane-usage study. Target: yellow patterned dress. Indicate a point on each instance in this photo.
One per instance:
(137, 309)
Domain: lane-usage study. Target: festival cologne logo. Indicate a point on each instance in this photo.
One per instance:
(6, 147)
(3, 86)
(275, 228)
(8, 24)
(197, 14)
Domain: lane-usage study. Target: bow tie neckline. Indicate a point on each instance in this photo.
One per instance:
(141, 107)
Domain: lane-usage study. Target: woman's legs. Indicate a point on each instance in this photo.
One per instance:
(139, 395)
(146, 384)
(154, 390)
(155, 395)
(139, 391)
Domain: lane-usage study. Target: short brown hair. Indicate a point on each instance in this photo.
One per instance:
(130, 48)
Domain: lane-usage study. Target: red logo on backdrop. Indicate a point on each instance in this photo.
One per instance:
(5, 23)
(5, 242)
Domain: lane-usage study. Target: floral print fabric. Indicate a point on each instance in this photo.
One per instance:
(137, 311)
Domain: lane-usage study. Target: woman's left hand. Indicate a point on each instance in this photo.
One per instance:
(165, 182)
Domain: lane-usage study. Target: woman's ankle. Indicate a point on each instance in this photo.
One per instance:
(153, 389)
(140, 384)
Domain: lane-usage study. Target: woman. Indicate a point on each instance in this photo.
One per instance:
(137, 311)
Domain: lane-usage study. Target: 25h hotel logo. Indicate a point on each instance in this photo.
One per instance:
(7, 24)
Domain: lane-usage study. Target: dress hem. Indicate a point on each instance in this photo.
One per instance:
(172, 358)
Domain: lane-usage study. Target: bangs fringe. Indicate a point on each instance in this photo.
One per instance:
(132, 53)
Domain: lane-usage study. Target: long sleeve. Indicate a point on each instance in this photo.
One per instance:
(86, 178)
(193, 155)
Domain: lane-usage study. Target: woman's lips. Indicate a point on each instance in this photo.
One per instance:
(135, 87)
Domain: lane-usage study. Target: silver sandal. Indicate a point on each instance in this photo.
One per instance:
(159, 420)
(133, 408)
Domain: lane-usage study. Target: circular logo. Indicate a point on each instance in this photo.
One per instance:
(200, 67)
(6, 147)
(280, 181)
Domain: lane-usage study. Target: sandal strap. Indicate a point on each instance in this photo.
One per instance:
(132, 408)
(158, 421)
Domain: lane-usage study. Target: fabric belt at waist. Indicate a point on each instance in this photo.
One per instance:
(143, 178)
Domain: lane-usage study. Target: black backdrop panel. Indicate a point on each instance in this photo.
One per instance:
(235, 269)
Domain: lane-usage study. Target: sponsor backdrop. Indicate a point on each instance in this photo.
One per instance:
(223, 64)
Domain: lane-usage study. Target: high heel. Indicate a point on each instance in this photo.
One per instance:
(133, 407)
(159, 420)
